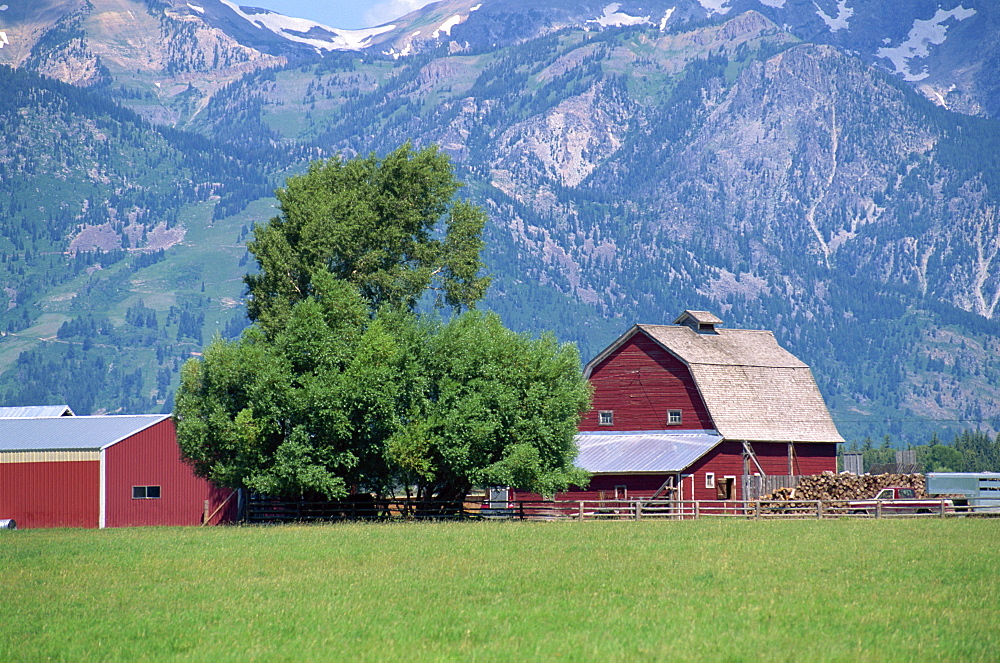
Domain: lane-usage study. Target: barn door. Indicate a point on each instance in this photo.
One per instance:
(725, 488)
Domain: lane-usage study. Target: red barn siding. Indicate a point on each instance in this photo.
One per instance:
(602, 486)
(640, 382)
(152, 458)
(724, 460)
(772, 457)
(815, 458)
(51, 494)
(638, 485)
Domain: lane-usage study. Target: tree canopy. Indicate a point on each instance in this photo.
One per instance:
(392, 227)
(328, 405)
(483, 405)
(340, 386)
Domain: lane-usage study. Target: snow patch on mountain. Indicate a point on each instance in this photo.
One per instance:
(304, 31)
(613, 17)
(200, 10)
(3, 35)
(921, 36)
(666, 17)
(777, 4)
(838, 22)
(715, 6)
(445, 28)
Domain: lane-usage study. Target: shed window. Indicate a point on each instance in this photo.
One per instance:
(709, 479)
(145, 492)
(606, 417)
(673, 417)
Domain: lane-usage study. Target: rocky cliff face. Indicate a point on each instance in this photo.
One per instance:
(162, 58)
(949, 51)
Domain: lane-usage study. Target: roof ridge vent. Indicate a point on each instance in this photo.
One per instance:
(702, 322)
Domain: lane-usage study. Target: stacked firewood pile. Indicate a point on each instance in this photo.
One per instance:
(830, 486)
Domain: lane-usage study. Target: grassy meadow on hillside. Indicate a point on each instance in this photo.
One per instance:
(830, 590)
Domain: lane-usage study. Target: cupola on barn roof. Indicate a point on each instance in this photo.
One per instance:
(700, 321)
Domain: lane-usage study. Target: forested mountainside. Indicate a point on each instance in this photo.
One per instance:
(95, 200)
(630, 172)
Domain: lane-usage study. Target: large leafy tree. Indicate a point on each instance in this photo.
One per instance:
(391, 226)
(301, 411)
(341, 386)
(482, 405)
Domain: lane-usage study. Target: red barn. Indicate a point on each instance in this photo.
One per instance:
(101, 471)
(687, 410)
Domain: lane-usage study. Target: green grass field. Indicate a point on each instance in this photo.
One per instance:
(496, 591)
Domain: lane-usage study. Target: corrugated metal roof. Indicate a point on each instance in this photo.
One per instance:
(642, 451)
(35, 411)
(59, 433)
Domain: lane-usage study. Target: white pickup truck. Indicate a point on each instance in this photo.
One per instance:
(897, 500)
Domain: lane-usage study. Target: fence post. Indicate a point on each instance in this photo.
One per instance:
(878, 508)
(638, 510)
(581, 511)
(697, 509)
(819, 509)
(756, 510)
(942, 507)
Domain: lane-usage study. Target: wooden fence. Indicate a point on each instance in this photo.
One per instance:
(262, 510)
(756, 486)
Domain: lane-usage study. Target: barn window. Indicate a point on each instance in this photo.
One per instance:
(673, 417)
(145, 492)
(621, 492)
(606, 417)
(709, 479)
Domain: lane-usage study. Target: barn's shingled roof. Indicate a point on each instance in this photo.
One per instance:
(753, 388)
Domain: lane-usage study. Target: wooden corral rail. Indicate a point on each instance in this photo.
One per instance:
(262, 510)
(760, 509)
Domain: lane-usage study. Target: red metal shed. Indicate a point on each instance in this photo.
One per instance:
(102, 471)
(688, 410)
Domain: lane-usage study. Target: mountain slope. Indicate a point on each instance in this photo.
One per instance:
(949, 51)
(176, 54)
(728, 167)
(631, 171)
